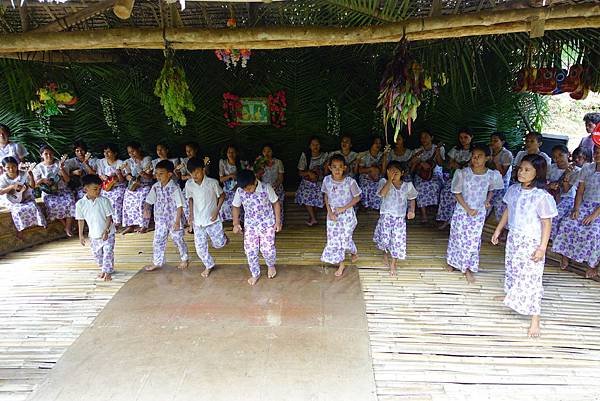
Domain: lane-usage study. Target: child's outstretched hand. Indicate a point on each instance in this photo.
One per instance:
(214, 216)
(237, 229)
(472, 212)
(538, 254)
(277, 226)
(410, 215)
(82, 241)
(331, 216)
(495, 237)
(104, 235)
(589, 219)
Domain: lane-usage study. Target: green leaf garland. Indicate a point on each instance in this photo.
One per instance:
(173, 90)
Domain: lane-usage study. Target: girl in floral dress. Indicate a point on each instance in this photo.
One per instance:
(425, 164)
(229, 168)
(113, 181)
(82, 164)
(578, 237)
(399, 153)
(341, 193)
(473, 188)
(50, 175)
(369, 169)
(16, 196)
(271, 172)
(397, 196)
(311, 169)
(502, 160)
(529, 212)
(457, 158)
(138, 170)
(563, 179)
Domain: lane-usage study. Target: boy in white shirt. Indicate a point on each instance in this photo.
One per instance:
(96, 211)
(205, 198)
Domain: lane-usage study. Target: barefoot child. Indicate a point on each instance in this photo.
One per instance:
(96, 211)
(167, 199)
(16, 196)
(578, 237)
(473, 188)
(341, 193)
(262, 213)
(396, 195)
(529, 212)
(205, 198)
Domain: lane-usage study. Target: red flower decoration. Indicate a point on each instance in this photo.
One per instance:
(277, 107)
(233, 109)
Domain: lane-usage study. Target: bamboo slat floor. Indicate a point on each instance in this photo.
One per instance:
(432, 336)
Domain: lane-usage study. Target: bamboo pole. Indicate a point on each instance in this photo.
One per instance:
(123, 8)
(69, 20)
(278, 37)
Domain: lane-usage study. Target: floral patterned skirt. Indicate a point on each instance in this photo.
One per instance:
(26, 214)
(447, 202)
(465, 240)
(564, 208)
(133, 207)
(369, 197)
(390, 235)
(60, 205)
(309, 194)
(339, 237)
(115, 196)
(523, 276)
(578, 242)
(428, 191)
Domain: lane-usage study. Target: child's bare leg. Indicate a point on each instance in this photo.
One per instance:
(386, 259)
(19, 235)
(591, 272)
(312, 216)
(444, 225)
(499, 298)
(206, 272)
(449, 268)
(68, 226)
(101, 275)
(340, 270)
(183, 264)
(470, 276)
(272, 272)
(107, 277)
(252, 280)
(393, 267)
(424, 215)
(564, 262)
(534, 328)
(354, 257)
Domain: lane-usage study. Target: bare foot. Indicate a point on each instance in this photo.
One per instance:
(443, 226)
(564, 262)
(591, 273)
(272, 272)
(340, 270)
(470, 276)
(127, 230)
(141, 230)
(449, 268)
(386, 259)
(534, 328)
(354, 257)
(100, 275)
(253, 280)
(107, 277)
(311, 223)
(183, 264)
(149, 268)
(393, 268)
(68, 232)
(499, 298)
(206, 272)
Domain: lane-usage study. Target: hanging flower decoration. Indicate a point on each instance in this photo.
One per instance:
(333, 118)
(108, 109)
(231, 57)
(232, 109)
(51, 99)
(277, 108)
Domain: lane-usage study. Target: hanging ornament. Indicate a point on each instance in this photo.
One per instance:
(333, 118)
(108, 109)
(231, 57)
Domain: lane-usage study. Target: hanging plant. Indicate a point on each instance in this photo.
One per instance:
(277, 108)
(108, 109)
(51, 99)
(232, 109)
(333, 118)
(172, 89)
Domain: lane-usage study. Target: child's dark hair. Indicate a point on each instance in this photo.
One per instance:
(593, 118)
(90, 179)
(238, 162)
(373, 139)
(267, 145)
(541, 167)
(500, 135)
(165, 165)
(308, 152)
(539, 138)
(5, 128)
(194, 145)
(164, 145)
(562, 148)
(134, 145)
(587, 153)
(195, 163)
(80, 144)
(245, 178)
(9, 160)
(112, 147)
(345, 136)
(46, 147)
(400, 166)
(481, 147)
(339, 158)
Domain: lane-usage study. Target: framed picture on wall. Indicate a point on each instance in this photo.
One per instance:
(255, 111)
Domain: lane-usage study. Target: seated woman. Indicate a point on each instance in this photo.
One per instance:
(82, 164)
(270, 171)
(16, 196)
(138, 172)
(52, 179)
(369, 170)
(10, 149)
(425, 164)
(109, 170)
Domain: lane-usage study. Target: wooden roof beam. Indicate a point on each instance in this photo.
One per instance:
(60, 24)
(277, 37)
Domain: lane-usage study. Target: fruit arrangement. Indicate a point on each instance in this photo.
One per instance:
(51, 99)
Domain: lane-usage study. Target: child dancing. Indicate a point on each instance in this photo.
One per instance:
(341, 193)
(167, 199)
(397, 196)
(96, 211)
(262, 219)
(205, 198)
(529, 212)
(473, 188)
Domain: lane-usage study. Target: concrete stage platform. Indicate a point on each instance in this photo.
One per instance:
(172, 335)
